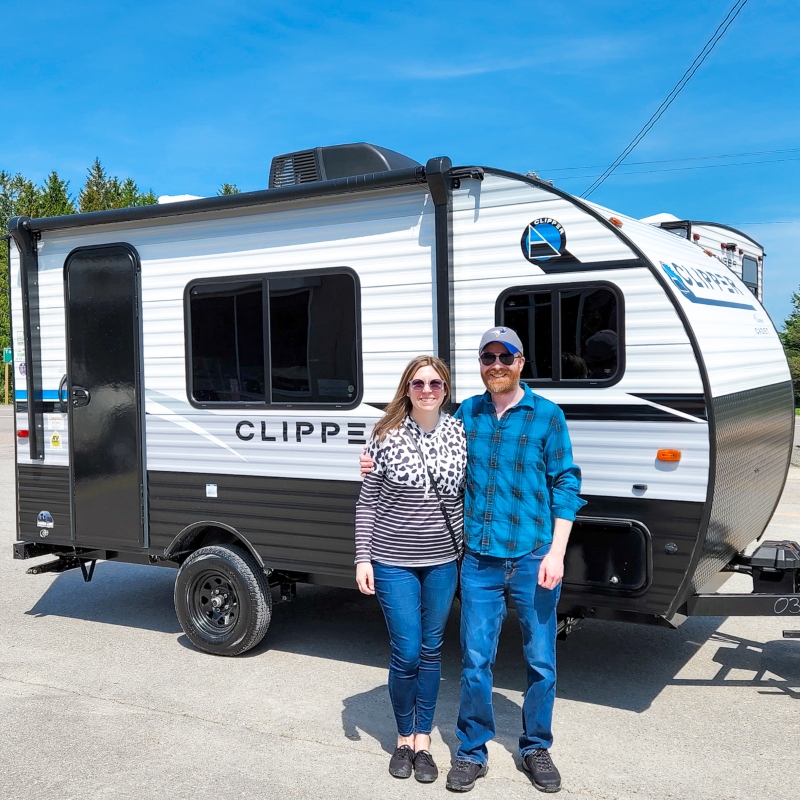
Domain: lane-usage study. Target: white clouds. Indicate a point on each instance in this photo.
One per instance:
(564, 56)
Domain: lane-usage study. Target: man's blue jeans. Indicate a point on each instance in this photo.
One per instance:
(484, 582)
(416, 603)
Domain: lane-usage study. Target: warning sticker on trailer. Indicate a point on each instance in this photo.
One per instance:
(54, 422)
(55, 440)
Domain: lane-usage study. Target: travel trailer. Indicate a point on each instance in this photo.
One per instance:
(739, 252)
(195, 382)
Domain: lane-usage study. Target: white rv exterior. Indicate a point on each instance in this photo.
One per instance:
(743, 255)
(265, 463)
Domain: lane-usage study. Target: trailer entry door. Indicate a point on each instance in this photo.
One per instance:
(102, 302)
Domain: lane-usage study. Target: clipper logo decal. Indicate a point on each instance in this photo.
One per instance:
(544, 243)
(705, 287)
(543, 239)
(297, 431)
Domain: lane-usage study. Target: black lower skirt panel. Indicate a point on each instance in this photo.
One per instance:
(307, 526)
(43, 489)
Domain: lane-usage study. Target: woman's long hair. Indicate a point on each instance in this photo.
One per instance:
(401, 406)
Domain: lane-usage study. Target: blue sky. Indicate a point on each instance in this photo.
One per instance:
(183, 96)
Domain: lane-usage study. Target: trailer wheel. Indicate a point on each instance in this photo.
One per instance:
(222, 599)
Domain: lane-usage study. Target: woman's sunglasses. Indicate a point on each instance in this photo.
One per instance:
(417, 385)
(487, 359)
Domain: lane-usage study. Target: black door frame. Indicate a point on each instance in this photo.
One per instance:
(138, 373)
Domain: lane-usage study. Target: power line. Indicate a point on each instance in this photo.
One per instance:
(708, 47)
(682, 169)
(770, 222)
(675, 160)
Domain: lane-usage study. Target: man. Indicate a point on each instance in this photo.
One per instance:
(521, 499)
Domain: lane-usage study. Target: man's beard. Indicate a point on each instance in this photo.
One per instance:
(500, 384)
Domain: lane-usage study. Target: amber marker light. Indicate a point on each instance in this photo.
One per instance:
(668, 455)
(616, 221)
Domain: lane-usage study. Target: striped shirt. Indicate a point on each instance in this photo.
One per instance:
(398, 518)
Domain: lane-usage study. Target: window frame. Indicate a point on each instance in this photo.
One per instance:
(264, 278)
(753, 287)
(557, 288)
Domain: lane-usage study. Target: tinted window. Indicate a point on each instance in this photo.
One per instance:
(588, 334)
(750, 271)
(309, 323)
(531, 316)
(584, 323)
(227, 342)
(313, 339)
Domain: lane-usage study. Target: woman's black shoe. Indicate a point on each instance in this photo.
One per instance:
(401, 764)
(425, 769)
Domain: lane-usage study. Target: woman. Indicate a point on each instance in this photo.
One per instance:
(406, 552)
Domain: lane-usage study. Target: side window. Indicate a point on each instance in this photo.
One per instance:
(571, 334)
(227, 343)
(750, 273)
(312, 334)
(589, 334)
(530, 314)
(284, 340)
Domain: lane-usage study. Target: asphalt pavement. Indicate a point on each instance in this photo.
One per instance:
(101, 695)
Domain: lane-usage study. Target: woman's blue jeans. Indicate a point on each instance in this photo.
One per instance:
(416, 603)
(484, 583)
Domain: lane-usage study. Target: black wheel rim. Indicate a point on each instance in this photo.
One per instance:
(213, 603)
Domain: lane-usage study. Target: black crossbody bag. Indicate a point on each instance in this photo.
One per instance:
(458, 551)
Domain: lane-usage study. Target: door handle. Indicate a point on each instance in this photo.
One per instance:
(63, 398)
(80, 396)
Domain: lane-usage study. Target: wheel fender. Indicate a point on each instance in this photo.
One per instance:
(191, 536)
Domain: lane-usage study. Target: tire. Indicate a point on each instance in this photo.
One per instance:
(222, 599)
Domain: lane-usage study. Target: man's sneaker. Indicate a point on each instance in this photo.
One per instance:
(401, 764)
(542, 770)
(463, 775)
(425, 769)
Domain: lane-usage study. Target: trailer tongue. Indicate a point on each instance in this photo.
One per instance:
(775, 570)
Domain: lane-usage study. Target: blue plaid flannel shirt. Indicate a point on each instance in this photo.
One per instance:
(520, 475)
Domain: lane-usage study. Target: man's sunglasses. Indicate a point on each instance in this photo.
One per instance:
(417, 385)
(487, 359)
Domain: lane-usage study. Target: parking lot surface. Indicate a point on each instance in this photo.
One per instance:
(101, 695)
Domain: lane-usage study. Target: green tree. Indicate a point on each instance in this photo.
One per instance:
(95, 193)
(148, 198)
(27, 200)
(21, 197)
(54, 199)
(790, 336)
(9, 191)
(11, 186)
(102, 192)
(228, 188)
(128, 194)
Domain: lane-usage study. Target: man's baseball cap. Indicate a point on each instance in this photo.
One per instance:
(505, 336)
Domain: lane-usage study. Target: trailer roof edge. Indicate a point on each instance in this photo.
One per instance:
(353, 183)
(724, 227)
